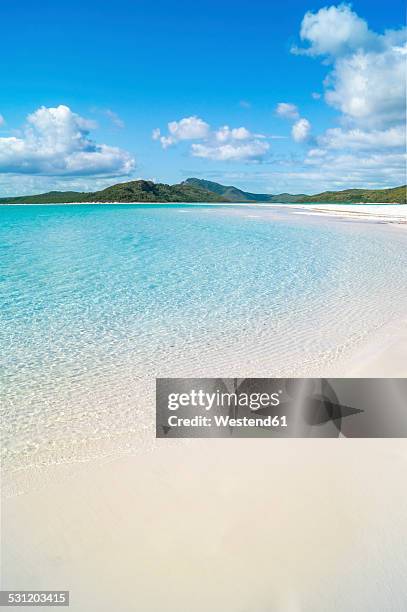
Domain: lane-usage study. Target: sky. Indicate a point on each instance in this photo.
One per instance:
(298, 96)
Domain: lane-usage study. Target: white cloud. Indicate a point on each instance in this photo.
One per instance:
(27, 184)
(225, 134)
(334, 30)
(228, 144)
(316, 96)
(366, 83)
(223, 144)
(115, 119)
(166, 141)
(287, 110)
(235, 151)
(369, 88)
(188, 128)
(55, 142)
(368, 80)
(301, 130)
(323, 170)
(317, 153)
(338, 138)
(345, 169)
(156, 133)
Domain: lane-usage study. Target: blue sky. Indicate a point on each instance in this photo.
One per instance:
(294, 96)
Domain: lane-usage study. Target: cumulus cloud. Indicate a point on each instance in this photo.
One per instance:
(234, 151)
(27, 184)
(325, 170)
(188, 128)
(225, 134)
(358, 139)
(301, 130)
(366, 83)
(369, 88)
(333, 30)
(346, 168)
(287, 110)
(223, 144)
(56, 142)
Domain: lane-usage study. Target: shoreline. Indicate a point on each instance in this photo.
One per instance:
(384, 355)
(381, 354)
(387, 209)
(376, 349)
(386, 213)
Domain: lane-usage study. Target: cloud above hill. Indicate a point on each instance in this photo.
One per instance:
(366, 83)
(56, 142)
(301, 129)
(367, 80)
(222, 144)
(188, 128)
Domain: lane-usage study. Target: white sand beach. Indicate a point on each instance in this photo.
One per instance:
(383, 355)
(238, 525)
(386, 213)
(231, 525)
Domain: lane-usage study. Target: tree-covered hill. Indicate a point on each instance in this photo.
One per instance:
(51, 197)
(133, 191)
(197, 190)
(395, 194)
(233, 194)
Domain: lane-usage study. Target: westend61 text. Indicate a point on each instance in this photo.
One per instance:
(227, 421)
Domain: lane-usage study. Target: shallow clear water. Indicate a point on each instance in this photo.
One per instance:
(98, 300)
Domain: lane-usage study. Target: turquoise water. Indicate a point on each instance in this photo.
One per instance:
(98, 300)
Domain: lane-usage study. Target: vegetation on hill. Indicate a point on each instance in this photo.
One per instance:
(395, 194)
(147, 191)
(133, 191)
(198, 190)
(233, 194)
(51, 197)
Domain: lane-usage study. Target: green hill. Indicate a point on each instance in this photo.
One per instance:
(133, 191)
(51, 197)
(147, 191)
(233, 194)
(395, 194)
(198, 190)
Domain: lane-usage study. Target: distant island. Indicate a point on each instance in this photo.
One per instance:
(195, 190)
(233, 194)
